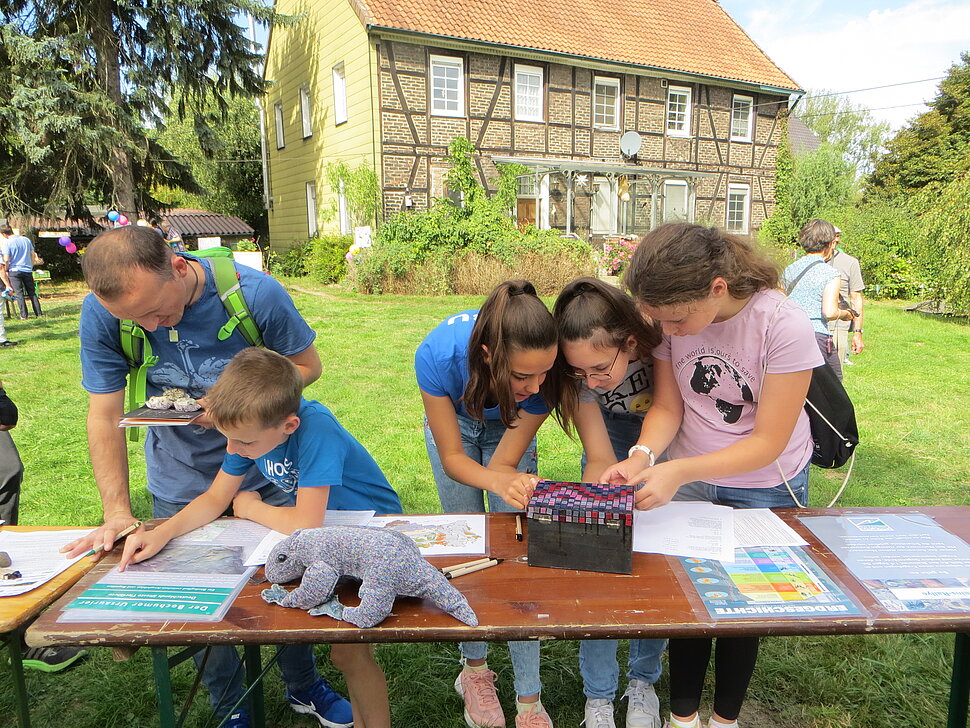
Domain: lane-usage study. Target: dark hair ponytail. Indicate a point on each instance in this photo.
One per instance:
(677, 262)
(590, 309)
(511, 319)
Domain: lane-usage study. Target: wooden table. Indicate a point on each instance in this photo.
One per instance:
(17, 611)
(516, 602)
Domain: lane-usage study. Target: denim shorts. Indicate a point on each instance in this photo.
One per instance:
(774, 497)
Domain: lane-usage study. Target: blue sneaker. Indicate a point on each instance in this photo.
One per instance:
(239, 719)
(324, 704)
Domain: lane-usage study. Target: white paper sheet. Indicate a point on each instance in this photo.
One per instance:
(761, 527)
(36, 555)
(686, 528)
(441, 534)
(332, 518)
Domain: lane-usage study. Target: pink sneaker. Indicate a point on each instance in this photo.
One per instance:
(482, 709)
(534, 719)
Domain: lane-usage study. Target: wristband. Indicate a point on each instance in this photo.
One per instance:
(645, 450)
(858, 331)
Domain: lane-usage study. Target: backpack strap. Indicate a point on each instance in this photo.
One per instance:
(230, 293)
(138, 353)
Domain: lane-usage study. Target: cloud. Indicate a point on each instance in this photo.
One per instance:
(825, 45)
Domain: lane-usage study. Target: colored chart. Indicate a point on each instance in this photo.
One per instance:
(766, 581)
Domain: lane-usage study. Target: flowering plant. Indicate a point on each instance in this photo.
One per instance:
(617, 253)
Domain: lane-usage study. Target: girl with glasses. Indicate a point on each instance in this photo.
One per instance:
(481, 375)
(731, 376)
(603, 387)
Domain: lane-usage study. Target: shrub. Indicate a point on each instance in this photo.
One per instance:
(292, 263)
(61, 264)
(616, 254)
(326, 261)
(476, 275)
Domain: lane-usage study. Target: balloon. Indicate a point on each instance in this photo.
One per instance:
(64, 240)
(113, 215)
(70, 248)
(123, 220)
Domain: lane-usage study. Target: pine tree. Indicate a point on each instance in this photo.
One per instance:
(83, 82)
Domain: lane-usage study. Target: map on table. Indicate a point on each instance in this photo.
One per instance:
(441, 534)
(766, 581)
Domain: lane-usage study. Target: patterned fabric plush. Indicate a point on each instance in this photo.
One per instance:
(387, 563)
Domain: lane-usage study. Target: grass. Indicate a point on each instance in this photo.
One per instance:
(912, 404)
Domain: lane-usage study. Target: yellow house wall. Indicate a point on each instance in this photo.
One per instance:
(304, 54)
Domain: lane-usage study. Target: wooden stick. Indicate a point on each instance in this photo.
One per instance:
(518, 526)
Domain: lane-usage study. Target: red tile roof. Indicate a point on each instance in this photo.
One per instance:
(691, 36)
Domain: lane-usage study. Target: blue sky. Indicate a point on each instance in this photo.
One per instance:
(854, 44)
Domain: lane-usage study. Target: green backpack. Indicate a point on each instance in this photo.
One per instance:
(138, 351)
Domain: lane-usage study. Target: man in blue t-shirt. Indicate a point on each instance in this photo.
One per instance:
(134, 274)
(19, 257)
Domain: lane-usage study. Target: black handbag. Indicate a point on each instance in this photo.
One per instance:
(832, 418)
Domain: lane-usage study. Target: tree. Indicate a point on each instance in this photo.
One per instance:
(849, 128)
(83, 81)
(230, 174)
(933, 150)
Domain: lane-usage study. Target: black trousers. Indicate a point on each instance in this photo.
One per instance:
(11, 475)
(23, 285)
(734, 661)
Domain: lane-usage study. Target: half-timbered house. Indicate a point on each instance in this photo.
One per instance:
(627, 113)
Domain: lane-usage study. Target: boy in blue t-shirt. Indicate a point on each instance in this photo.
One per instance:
(257, 403)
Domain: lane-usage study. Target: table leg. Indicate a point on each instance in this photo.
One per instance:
(19, 686)
(163, 687)
(959, 682)
(254, 679)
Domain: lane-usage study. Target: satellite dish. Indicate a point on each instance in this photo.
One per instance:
(630, 144)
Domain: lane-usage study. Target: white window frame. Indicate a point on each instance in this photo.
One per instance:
(732, 190)
(675, 126)
(749, 121)
(613, 83)
(340, 115)
(312, 225)
(680, 184)
(534, 109)
(278, 117)
(343, 212)
(438, 109)
(306, 113)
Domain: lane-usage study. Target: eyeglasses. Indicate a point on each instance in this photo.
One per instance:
(596, 376)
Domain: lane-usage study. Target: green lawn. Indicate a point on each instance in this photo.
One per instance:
(913, 408)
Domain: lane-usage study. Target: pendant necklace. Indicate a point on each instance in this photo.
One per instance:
(173, 334)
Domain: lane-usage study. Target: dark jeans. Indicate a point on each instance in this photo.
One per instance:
(23, 285)
(829, 352)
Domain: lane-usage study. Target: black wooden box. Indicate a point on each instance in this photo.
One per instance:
(584, 526)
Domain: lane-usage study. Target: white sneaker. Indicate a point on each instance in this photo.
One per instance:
(598, 714)
(643, 706)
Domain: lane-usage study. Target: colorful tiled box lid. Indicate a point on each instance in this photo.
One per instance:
(582, 503)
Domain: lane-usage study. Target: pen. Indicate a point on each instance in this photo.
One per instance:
(518, 526)
(456, 567)
(472, 569)
(125, 532)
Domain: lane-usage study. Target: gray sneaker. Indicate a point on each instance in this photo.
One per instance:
(598, 714)
(643, 706)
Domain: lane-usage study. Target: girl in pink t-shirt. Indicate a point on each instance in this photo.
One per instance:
(730, 379)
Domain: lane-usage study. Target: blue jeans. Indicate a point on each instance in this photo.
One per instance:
(597, 658)
(223, 675)
(774, 497)
(479, 441)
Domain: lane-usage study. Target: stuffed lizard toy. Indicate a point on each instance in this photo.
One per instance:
(387, 563)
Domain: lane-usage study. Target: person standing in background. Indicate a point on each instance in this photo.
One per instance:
(851, 296)
(19, 258)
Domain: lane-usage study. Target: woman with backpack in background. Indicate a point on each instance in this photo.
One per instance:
(730, 377)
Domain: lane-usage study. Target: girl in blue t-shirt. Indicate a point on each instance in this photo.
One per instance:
(481, 374)
(603, 386)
